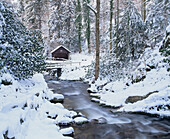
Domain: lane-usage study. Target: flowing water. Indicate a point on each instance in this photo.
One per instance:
(118, 126)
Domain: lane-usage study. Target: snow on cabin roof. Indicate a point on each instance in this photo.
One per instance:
(60, 47)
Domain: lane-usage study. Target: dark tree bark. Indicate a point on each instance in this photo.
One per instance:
(111, 24)
(143, 11)
(97, 41)
(117, 26)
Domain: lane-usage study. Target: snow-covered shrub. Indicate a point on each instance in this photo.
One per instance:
(157, 20)
(25, 110)
(165, 48)
(20, 52)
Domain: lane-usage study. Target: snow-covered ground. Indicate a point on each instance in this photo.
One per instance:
(78, 69)
(157, 81)
(116, 93)
(25, 110)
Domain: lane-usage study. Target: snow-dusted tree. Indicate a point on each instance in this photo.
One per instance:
(157, 20)
(21, 53)
(31, 13)
(111, 24)
(131, 33)
(34, 10)
(61, 22)
(117, 25)
(97, 63)
(21, 9)
(165, 48)
(78, 22)
(86, 14)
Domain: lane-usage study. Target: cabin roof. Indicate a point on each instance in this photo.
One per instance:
(60, 47)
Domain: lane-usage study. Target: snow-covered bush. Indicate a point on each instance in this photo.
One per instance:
(165, 48)
(20, 52)
(149, 95)
(26, 112)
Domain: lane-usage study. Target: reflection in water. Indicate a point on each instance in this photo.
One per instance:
(119, 125)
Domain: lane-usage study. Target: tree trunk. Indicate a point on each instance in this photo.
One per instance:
(128, 35)
(143, 10)
(86, 16)
(88, 29)
(97, 41)
(88, 35)
(111, 24)
(117, 26)
(79, 22)
(79, 37)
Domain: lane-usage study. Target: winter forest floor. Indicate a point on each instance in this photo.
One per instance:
(129, 99)
(28, 103)
(103, 122)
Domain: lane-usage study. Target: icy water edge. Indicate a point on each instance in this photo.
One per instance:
(118, 126)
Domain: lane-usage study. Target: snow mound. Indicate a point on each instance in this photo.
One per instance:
(78, 69)
(142, 85)
(25, 110)
(80, 120)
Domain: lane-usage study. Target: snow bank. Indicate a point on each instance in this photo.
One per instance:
(80, 120)
(25, 109)
(154, 104)
(116, 93)
(67, 131)
(78, 69)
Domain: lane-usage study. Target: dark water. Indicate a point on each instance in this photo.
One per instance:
(119, 125)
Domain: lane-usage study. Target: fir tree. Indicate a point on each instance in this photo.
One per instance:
(157, 20)
(78, 22)
(61, 22)
(131, 34)
(21, 53)
(86, 14)
(165, 47)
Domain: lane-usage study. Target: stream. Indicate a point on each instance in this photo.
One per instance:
(118, 126)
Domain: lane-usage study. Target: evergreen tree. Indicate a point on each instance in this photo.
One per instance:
(34, 10)
(78, 22)
(21, 53)
(165, 48)
(86, 15)
(157, 20)
(131, 34)
(111, 24)
(117, 26)
(97, 63)
(61, 22)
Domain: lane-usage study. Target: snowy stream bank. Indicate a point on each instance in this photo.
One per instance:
(27, 113)
(103, 123)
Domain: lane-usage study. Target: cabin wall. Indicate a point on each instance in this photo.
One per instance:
(61, 53)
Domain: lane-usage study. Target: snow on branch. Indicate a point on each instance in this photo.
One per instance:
(92, 9)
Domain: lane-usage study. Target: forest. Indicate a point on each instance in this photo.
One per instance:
(120, 60)
(116, 31)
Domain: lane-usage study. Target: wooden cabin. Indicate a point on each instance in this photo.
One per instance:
(60, 53)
